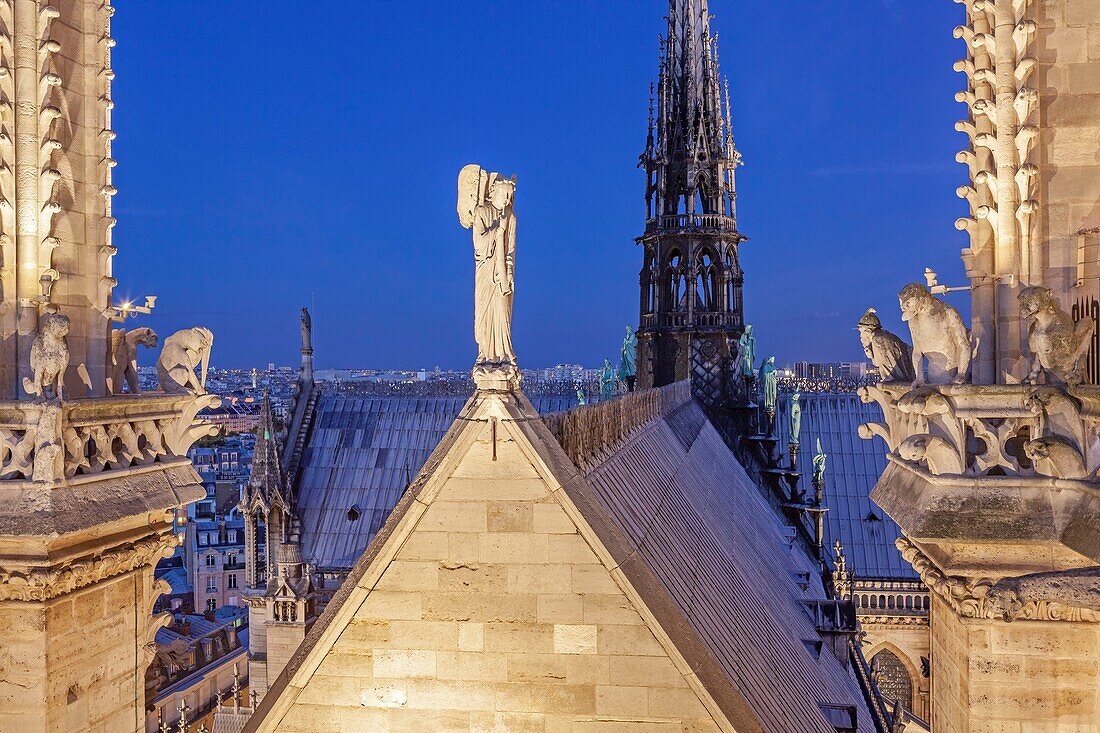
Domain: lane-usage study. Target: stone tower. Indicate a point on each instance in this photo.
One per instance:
(691, 275)
(993, 479)
(90, 482)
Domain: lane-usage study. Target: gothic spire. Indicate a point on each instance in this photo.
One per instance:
(266, 477)
(693, 156)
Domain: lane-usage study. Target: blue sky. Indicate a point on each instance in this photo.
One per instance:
(274, 154)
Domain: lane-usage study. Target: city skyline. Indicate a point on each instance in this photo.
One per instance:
(568, 102)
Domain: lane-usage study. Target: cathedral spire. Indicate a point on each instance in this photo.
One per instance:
(691, 280)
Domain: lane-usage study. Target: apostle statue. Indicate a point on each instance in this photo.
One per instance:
(746, 351)
(607, 381)
(580, 397)
(485, 205)
(770, 380)
(307, 332)
(819, 465)
(796, 417)
(628, 363)
(891, 356)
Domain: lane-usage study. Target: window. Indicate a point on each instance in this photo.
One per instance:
(211, 585)
(232, 536)
(204, 539)
(210, 561)
(231, 559)
(211, 604)
(892, 678)
(232, 582)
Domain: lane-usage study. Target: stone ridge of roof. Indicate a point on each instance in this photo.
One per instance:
(589, 432)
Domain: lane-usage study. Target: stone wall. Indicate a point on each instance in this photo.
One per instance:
(995, 677)
(75, 663)
(493, 613)
(1067, 48)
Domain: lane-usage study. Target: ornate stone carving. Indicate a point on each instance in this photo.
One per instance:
(1058, 345)
(941, 456)
(1065, 596)
(891, 356)
(938, 332)
(183, 352)
(485, 205)
(124, 347)
(49, 357)
(41, 584)
(1056, 456)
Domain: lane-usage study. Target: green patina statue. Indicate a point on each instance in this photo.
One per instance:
(607, 381)
(796, 417)
(819, 465)
(746, 351)
(628, 362)
(770, 380)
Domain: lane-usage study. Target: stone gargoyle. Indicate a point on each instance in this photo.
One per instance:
(891, 356)
(940, 455)
(124, 348)
(938, 332)
(1058, 345)
(183, 352)
(1056, 456)
(49, 357)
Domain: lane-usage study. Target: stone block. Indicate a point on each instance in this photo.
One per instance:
(537, 668)
(1074, 146)
(474, 667)
(502, 548)
(511, 516)
(1049, 640)
(450, 695)
(545, 578)
(480, 607)
(467, 576)
(552, 519)
(587, 669)
(1062, 46)
(434, 635)
(384, 604)
(471, 637)
(424, 545)
(570, 548)
(628, 640)
(575, 638)
(454, 516)
(593, 579)
(1082, 12)
(462, 546)
(618, 701)
(507, 722)
(1083, 78)
(513, 637)
(403, 663)
(437, 721)
(609, 609)
(529, 697)
(679, 702)
(651, 671)
(565, 608)
(410, 576)
(512, 489)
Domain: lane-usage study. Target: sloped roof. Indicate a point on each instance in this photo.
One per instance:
(362, 453)
(693, 517)
(853, 467)
(676, 517)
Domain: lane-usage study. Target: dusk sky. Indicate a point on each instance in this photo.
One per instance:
(275, 154)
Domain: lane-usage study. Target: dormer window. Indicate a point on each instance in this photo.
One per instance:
(353, 513)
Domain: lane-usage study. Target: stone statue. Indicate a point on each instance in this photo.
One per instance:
(819, 465)
(124, 348)
(49, 357)
(796, 417)
(628, 363)
(307, 331)
(938, 333)
(183, 352)
(770, 380)
(1057, 344)
(485, 204)
(746, 351)
(580, 397)
(607, 381)
(891, 356)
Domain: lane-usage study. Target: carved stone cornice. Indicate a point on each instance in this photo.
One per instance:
(985, 598)
(879, 619)
(44, 583)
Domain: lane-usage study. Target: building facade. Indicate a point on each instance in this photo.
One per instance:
(216, 562)
(691, 279)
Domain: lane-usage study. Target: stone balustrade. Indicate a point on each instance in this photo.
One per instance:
(993, 431)
(702, 222)
(72, 441)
